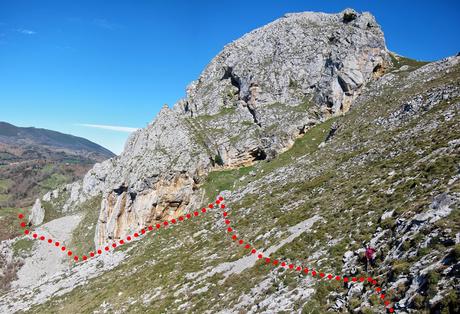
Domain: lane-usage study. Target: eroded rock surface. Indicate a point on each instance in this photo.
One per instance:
(250, 103)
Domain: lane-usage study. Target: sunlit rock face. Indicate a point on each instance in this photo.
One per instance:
(250, 103)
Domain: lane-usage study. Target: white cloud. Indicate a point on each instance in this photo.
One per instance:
(26, 31)
(103, 23)
(109, 127)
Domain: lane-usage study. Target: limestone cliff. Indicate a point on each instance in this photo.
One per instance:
(250, 103)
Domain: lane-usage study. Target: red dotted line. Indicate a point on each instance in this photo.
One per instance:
(234, 236)
(305, 270)
(120, 242)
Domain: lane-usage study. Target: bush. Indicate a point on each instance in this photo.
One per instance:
(418, 301)
(400, 267)
(218, 160)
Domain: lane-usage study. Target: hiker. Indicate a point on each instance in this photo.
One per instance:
(370, 257)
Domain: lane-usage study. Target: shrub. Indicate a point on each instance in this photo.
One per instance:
(418, 301)
(218, 160)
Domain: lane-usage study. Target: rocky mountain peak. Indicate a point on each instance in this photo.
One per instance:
(250, 103)
(325, 56)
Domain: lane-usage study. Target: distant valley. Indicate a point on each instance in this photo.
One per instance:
(34, 161)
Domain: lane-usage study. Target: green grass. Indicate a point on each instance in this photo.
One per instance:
(221, 180)
(83, 235)
(23, 247)
(345, 184)
(9, 222)
(4, 185)
(399, 61)
(53, 209)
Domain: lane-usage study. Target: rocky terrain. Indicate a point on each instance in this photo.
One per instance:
(321, 141)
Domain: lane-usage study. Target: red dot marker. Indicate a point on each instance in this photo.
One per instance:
(181, 218)
(56, 243)
(106, 248)
(23, 224)
(122, 241)
(91, 254)
(69, 253)
(114, 245)
(210, 206)
(128, 238)
(20, 216)
(195, 214)
(99, 252)
(203, 210)
(26, 231)
(225, 214)
(85, 258)
(188, 216)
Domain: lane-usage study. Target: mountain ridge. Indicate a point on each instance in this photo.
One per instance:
(364, 139)
(48, 158)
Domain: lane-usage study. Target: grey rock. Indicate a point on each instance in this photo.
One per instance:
(439, 208)
(37, 213)
(386, 215)
(250, 103)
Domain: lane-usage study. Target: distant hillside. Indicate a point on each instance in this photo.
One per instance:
(33, 161)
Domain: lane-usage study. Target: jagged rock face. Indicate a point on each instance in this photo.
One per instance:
(153, 178)
(328, 56)
(123, 211)
(250, 103)
(275, 82)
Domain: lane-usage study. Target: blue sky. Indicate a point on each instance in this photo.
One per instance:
(67, 64)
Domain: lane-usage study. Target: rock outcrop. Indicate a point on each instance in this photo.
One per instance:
(250, 103)
(384, 175)
(37, 213)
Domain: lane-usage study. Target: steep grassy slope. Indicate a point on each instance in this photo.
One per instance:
(396, 152)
